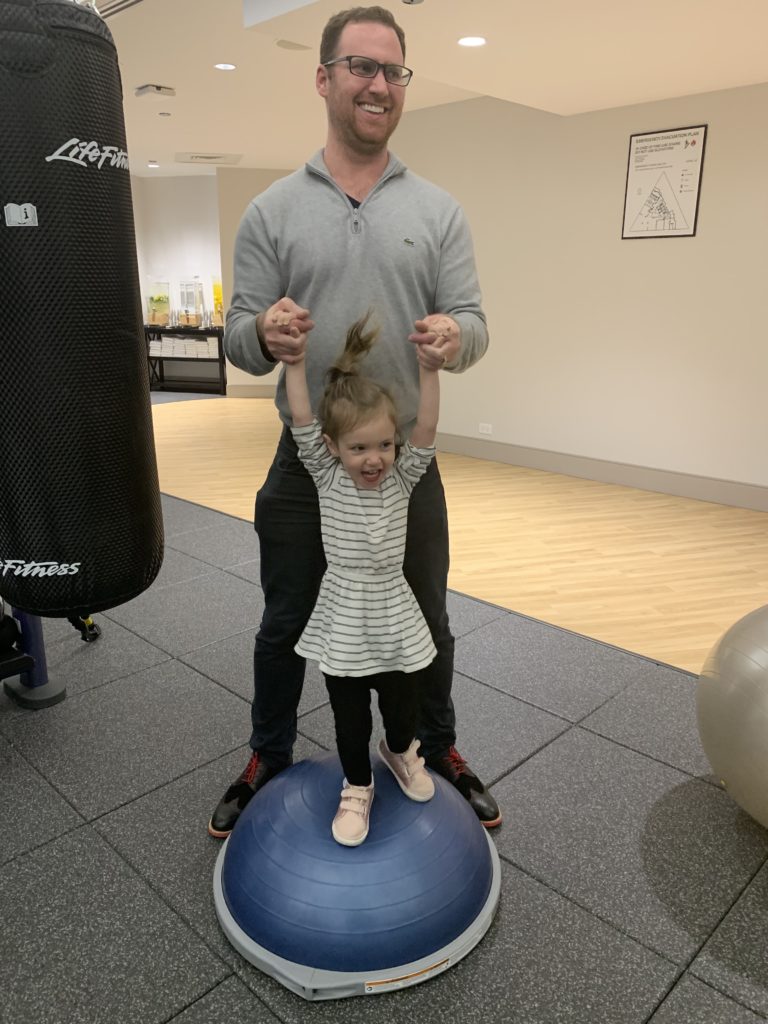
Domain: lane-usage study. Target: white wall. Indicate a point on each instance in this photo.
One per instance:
(177, 233)
(652, 352)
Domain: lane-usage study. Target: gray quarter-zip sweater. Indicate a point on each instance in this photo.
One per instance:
(404, 253)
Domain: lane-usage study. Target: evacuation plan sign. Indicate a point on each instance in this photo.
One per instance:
(663, 182)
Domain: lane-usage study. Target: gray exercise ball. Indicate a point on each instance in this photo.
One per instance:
(732, 706)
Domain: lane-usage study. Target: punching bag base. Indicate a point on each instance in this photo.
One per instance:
(35, 697)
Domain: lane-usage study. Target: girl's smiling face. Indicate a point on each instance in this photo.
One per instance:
(367, 452)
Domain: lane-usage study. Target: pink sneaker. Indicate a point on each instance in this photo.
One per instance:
(350, 826)
(408, 768)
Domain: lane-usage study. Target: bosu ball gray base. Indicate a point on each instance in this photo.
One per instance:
(329, 921)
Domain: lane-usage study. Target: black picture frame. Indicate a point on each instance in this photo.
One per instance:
(663, 186)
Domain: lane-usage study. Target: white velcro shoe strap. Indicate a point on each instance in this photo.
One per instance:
(355, 799)
(412, 762)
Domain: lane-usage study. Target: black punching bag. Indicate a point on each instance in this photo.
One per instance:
(80, 515)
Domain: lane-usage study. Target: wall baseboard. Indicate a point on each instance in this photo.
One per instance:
(683, 485)
(250, 391)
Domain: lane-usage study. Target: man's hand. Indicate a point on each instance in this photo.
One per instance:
(283, 330)
(437, 339)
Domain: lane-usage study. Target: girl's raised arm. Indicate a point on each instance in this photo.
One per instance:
(423, 434)
(296, 389)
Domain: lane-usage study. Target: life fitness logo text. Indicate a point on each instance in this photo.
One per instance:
(16, 567)
(78, 151)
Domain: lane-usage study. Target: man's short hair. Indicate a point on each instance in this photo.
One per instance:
(336, 25)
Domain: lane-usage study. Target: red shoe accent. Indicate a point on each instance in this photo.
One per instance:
(491, 824)
(456, 760)
(251, 768)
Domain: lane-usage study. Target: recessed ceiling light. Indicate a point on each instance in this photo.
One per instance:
(225, 67)
(472, 41)
(152, 163)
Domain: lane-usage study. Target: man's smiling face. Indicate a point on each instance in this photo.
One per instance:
(363, 112)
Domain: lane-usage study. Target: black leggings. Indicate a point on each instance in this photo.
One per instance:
(292, 565)
(351, 703)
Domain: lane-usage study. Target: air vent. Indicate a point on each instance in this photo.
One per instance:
(208, 158)
(289, 44)
(154, 90)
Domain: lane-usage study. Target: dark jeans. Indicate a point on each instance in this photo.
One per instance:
(292, 564)
(351, 703)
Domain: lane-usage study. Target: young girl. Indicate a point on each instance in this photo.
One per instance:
(367, 630)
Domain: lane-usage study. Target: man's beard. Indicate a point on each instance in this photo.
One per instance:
(360, 144)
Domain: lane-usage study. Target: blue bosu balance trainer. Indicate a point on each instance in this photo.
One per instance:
(330, 921)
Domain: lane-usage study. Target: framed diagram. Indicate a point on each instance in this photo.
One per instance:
(661, 198)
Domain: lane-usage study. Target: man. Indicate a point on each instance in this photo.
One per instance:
(351, 231)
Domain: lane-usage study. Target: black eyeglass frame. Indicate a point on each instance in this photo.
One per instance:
(379, 67)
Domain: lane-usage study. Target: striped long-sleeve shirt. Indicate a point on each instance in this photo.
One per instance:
(366, 619)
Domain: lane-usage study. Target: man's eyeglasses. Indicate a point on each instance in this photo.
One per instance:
(364, 67)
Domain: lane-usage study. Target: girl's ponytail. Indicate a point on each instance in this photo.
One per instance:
(350, 397)
(358, 345)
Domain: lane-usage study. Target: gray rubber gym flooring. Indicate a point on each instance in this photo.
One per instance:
(633, 889)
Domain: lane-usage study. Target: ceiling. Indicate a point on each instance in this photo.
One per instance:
(561, 56)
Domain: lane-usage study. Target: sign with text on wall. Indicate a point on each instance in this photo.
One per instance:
(663, 183)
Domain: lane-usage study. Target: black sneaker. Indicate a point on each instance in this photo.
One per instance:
(232, 804)
(453, 767)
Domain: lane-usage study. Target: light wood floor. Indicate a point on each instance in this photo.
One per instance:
(657, 575)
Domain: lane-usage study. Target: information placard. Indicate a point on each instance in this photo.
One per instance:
(663, 183)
